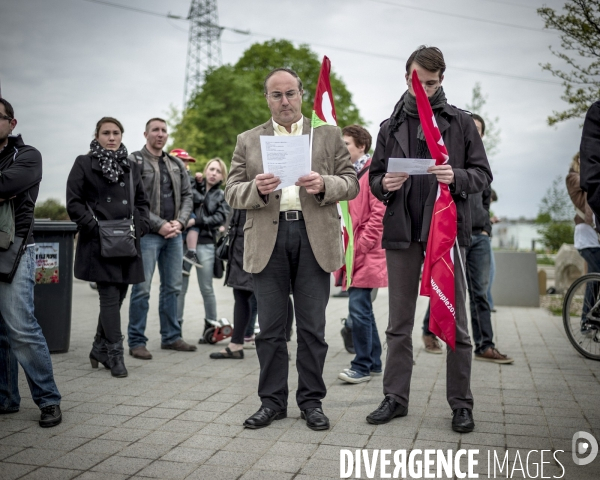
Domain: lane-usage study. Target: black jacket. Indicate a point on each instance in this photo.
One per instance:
(472, 174)
(212, 210)
(21, 167)
(235, 275)
(109, 201)
(590, 157)
(480, 212)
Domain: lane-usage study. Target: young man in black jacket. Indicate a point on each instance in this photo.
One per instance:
(21, 338)
(410, 201)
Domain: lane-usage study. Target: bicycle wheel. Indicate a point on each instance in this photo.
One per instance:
(581, 315)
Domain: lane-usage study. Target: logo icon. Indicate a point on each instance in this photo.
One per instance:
(584, 444)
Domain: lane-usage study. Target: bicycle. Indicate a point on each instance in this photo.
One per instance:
(581, 315)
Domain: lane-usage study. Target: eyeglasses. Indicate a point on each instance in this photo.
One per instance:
(5, 117)
(277, 96)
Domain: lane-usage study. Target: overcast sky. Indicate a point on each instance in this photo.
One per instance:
(66, 63)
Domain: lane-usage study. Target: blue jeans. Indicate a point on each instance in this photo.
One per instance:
(478, 276)
(364, 332)
(22, 342)
(492, 275)
(592, 257)
(168, 254)
(206, 255)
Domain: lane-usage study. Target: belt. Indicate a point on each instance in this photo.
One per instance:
(291, 215)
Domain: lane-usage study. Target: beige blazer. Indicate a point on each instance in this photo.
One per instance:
(330, 158)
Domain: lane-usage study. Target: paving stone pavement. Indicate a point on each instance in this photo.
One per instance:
(180, 415)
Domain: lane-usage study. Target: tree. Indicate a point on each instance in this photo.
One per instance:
(52, 209)
(491, 139)
(579, 29)
(555, 216)
(231, 99)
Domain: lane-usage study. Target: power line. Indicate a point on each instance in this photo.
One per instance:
(138, 10)
(456, 15)
(333, 47)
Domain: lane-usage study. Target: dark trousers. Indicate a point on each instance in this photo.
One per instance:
(404, 269)
(109, 320)
(292, 261)
(242, 312)
(364, 332)
(254, 314)
(479, 262)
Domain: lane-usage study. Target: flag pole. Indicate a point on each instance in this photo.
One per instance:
(462, 265)
(310, 144)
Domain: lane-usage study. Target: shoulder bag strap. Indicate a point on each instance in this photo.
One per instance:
(131, 189)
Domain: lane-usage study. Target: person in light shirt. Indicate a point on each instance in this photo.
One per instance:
(291, 235)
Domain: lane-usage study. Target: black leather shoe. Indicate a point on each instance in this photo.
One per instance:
(387, 410)
(264, 417)
(462, 420)
(315, 418)
(51, 416)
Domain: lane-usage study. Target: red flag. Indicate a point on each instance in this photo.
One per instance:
(324, 108)
(438, 270)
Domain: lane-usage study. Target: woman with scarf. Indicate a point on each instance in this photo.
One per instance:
(98, 188)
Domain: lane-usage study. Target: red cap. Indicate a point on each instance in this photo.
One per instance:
(180, 153)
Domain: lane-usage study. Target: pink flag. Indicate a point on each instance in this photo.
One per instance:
(438, 269)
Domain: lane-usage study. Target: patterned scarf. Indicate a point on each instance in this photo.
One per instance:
(113, 163)
(360, 163)
(407, 105)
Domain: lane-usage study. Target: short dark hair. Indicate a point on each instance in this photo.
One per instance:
(10, 111)
(430, 58)
(282, 69)
(362, 138)
(104, 120)
(155, 119)
(480, 120)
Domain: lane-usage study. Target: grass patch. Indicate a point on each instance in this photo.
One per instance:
(545, 260)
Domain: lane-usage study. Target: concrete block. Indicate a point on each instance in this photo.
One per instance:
(516, 281)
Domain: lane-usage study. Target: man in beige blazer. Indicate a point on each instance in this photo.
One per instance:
(291, 236)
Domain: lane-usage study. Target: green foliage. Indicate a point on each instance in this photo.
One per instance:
(556, 233)
(491, 138)
(52, 209)
(231, 99)
(556, 205)
(555, 216)
(579, 29)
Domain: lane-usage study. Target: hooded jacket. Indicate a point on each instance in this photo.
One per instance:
(21, 174)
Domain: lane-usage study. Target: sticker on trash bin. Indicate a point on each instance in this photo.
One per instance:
(46, 263)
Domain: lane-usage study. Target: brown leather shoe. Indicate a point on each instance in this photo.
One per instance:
(179, 345)
(432, 344)
(493, 355)
(140, 352)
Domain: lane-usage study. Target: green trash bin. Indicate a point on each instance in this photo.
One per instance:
(54, 281)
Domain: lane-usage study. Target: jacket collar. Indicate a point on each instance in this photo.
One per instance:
(13, 144)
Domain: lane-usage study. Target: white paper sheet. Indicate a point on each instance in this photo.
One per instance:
(412, 166)
(286, 157)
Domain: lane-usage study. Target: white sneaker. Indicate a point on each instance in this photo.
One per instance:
(350, 376)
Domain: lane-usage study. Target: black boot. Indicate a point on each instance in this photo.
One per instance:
(98, 353)
(206, 327)
(115, 359)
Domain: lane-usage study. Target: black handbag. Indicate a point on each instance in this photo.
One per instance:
(222, 247)
(117, 237)
(218, 268)
(11, 257)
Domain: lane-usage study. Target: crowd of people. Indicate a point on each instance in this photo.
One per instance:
(136, 211)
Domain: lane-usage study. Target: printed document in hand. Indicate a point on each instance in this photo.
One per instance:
(286, 157)
(412, 166)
